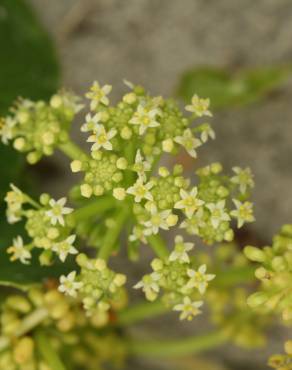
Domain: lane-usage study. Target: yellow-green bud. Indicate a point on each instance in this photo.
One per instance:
(167, 145)
(122, 163)
(119, 193)
(76, 165)
(86, 190)
(254, 254)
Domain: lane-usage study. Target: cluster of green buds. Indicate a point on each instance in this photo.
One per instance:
(96, 285)
(282, 361)
(183, 282)
(275, 275)
(43, 318)
(38, 128)
(47, 224)
(227, 297)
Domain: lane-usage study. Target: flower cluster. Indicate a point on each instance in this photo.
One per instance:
(275, 275)
(60, 320)
(47, 225)
(96, 285)
(37, 128)
(181, 280)
(282, 361)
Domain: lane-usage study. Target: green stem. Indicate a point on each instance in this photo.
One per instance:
(141, 311)
(158, 245)
(28, 323)
(113, 233)
(93, 208)
(73, 151)
(48, 352)
(178, 347)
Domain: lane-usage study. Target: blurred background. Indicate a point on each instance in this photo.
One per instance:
(238, 53)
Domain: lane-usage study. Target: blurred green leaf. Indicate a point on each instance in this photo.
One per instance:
(227, 89)
(28, 68)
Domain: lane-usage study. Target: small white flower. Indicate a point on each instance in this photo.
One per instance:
(140, 166)
(65, 247)
(145, 118)
(207, 132)
(193, 224)
(137, 234)
(98, 94)
(243, 178)
(57, 211)
(189, 142)
(69, 285)
(188, 308)
(199, 279)
(158, 220)
(19, 252)
(149, 285)
(199, 106)
(91, 122)
(189, 202)
(6, 129)
(141, 190)
(218, 213)
(101, 138)
(243, 212)
(180, 250)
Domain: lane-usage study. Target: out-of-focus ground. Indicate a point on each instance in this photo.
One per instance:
(152, 43)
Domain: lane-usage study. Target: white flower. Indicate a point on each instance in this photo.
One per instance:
(140, 166)
(193, 224)
(6, 129)
(137, 234)
(199, 279)
(189, 202)
(91, 122)
(140, 190)
(14, 199)
(218, 213)
(207, 132)
(98, 94)
(188, 308)
(57, 211)
(149, 285)
(69, 285)
(199, 106)
(145, 118)
(65, 247)
(19, 251)
(101, 138)
(243, 178)
(180, 250)
(189, 142)
(158, 220)
(243, 212)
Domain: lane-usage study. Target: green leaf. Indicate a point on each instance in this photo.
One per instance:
(28, 68)
(228, 89)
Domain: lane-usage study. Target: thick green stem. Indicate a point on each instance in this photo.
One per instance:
(113, 233)
(158, 245)
(178, 347)
(47, 351)
(93, 208)
(141, 311)
(73, 151)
